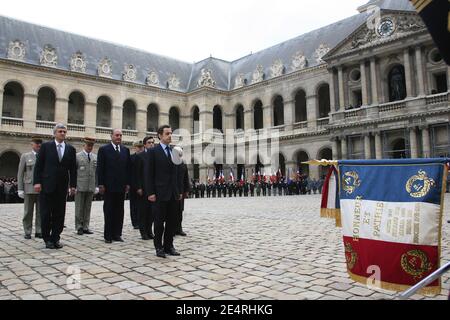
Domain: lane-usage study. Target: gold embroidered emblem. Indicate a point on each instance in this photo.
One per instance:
(415, 263)
(350, 256)
(419, 185)
(350, 181)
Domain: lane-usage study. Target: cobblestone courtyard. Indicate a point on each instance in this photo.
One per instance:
(240, 248)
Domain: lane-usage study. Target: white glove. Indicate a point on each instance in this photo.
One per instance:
(21, 194)
(96, 190)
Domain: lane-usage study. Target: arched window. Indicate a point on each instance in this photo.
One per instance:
(300, 106)
(104, 107)
(129, 115)
(9, 164)
(278, 111)
(76, 108)
(240, 117)
(396, 83)
(282, 164)
(174, 118)
(195, 120)
(324, 100)
(46, 105)
(258, 115)
(303, 168)
(152, 117)
(13, 100)
(399, 149)
(217, 118)
(325, 153)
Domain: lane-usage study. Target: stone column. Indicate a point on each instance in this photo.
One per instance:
(420, 77)
(141, 122)
(289, 115)
(344, 147)
(365, 96)
(163, 118)
(413, 142)
(206, 120)
(203, 174)
(378, 148)
(408, 75)
(116, 117)
(311, 111)
(341, 88)
(334, 148)
(267, 114)
(62, 110)
(229, 122)
(1, 106)
(374, 81)
(29, 111)
(367, 154)
(248, 120)
(90, 117)
(334, 106)
(426, 142)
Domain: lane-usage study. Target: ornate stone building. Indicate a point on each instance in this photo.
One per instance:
(358, 88)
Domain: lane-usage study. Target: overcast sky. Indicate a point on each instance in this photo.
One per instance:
(186, 30)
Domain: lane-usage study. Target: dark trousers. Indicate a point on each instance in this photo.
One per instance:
(165, 222)
(53, 212)
(134, 208)
(113, 210)
(179, 226)
(145, 216)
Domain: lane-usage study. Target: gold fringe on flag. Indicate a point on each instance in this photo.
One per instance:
(429, 291)
(329, 213)
(338, 219)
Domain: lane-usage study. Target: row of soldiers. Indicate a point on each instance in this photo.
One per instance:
(8, 190)
(252, 189)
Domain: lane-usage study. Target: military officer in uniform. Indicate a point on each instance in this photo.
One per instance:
(26, 189)
(86, 186)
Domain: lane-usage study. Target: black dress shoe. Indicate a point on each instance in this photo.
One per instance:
(38, 235)
(87, 231)
(182, 233)
(119, 239)
(49, 245)
(58, 245)
(172, 252)
(160, 253)
(27, 236)
(108, 241)
(151, 236)
(80, 232)
(145, 238)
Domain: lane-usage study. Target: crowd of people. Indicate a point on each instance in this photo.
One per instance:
(258, 186)
(8, 190)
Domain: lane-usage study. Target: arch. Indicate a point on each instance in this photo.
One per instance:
(48, 86)
(396, 83)
(9, 163)
(46, 104)
(323, 94)
(217, 118)
(129, 115)
(302, 156)
(258, 115)
(239, 116)
(152, 117)
(13, 94)
(324, 153)
(76, 108)
(174, 118)
(104, 108)
(195, 119)
(282, 163)
(278, 110)
(300, 106)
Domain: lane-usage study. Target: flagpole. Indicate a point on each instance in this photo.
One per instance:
(431, 278)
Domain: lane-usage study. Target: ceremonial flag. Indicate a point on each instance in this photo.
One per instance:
(231, 175)
(391, 213)
(330, 207)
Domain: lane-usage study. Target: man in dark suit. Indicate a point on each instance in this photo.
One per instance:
(55, 169)
(145, 207)
(164, 191)
(133, 195)
(113, 171)
(183, 178)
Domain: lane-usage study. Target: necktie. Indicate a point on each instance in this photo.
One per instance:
(168, 151)
(89, 157)
(60, 155)
(117, 149)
